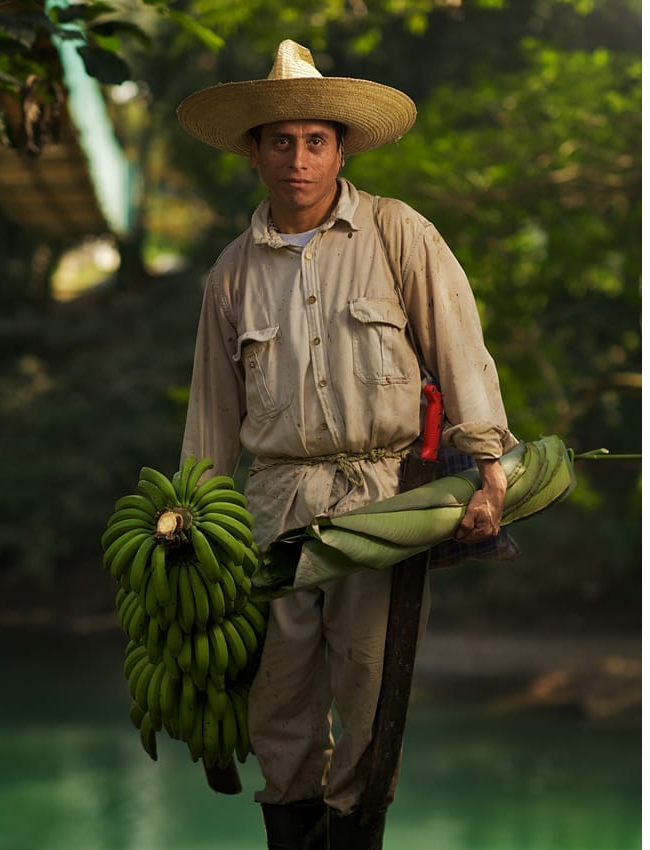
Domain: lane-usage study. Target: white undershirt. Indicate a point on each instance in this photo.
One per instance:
(299, 239)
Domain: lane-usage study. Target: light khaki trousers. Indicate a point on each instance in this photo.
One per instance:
(323, 647)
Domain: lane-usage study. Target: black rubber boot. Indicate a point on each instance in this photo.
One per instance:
(348, 833)
(296, 826)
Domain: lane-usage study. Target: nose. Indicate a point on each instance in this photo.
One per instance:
(300, 152)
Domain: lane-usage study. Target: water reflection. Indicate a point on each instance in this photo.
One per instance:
(73, 774)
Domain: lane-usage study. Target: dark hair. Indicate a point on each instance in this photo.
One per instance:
(256, 132)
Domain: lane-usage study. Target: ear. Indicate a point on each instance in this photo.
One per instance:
(253, 154)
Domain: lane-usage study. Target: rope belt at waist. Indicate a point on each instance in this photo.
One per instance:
(345, 461)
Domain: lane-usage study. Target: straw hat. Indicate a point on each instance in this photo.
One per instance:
(222, 115)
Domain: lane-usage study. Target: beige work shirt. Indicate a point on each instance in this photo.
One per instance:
(305, 352)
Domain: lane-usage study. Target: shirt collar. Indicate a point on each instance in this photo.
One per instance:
(344, 211)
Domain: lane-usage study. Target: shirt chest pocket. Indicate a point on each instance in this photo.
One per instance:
(380, 350)
(267, 395)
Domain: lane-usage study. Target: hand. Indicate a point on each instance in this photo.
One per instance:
(482, 518)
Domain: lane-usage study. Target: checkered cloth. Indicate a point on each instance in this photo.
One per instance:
(451, 553)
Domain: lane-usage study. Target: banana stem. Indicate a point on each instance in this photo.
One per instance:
(603, 454)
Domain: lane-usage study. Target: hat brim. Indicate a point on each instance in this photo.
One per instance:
(222, 115)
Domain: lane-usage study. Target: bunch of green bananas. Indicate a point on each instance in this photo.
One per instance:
(182, 553)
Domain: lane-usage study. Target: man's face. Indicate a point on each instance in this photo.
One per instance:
(298, 161)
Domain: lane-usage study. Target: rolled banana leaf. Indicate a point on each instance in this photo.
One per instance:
(377, 536)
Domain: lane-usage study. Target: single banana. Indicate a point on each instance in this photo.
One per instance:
(136, 674)
(195, 738)
(229, 733)
(168, 696)
(136, 714)
(256, 618)
(219, 495)
(137, 624)
(148, 737)
(125, 609)
(216, 602)
(135, 500)
(163, 618)
(152, 493)
(171, 663)
(120, 596)
(201, 656)
(159, 575)
(239, 530)
(186, 608)
(227, 507)
(207, 561)
(247, 634)
(154, 640)
(148, 473)
(211, 737)
(142, 684)
(186, 706)
(140, 562)
(175, 637)
(215, 482)
(237, 571)
(132, 618)
(217, 699)
(150, 597)
(198, 677)
(251, 559)
(133, 653)
(229, 588)
(240, 705)
(243, 595)
(183, 476)
(144, 588)
(219, 679)
(153, 696)
(172, 577)
(184, 657)
(200, 468)
(201, 598)
(219, 651)
(236, 646)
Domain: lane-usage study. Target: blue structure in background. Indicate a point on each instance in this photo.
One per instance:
(110, 170)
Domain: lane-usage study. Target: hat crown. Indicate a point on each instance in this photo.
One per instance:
(293, 61)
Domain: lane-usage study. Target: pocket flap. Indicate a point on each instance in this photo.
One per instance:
(386, 311)
(262, 335)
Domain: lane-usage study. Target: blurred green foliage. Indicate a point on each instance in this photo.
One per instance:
(527, 157)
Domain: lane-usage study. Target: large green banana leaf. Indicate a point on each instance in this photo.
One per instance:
(382, 534)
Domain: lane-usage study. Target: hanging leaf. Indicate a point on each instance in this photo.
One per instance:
(104, 65)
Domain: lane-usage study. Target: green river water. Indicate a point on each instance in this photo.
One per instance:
(73, 774)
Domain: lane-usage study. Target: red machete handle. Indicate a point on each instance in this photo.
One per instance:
(432, 422)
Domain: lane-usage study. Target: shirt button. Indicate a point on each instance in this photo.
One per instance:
(251, 363)
(316, 340)
(322, 382)
(311, 299)
(308, 255)
(323, 426)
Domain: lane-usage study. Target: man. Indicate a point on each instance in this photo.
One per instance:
(304, 358)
